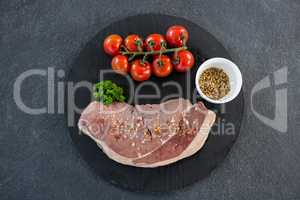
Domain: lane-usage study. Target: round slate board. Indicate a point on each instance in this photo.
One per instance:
(92, 60)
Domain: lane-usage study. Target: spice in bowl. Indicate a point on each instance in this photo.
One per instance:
(214, 83)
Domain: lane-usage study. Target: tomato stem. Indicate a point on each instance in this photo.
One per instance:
(144, 58)
(139, 44)
(131, 57)
(137, 53)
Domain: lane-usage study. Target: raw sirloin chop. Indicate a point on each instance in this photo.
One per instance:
(148, 135)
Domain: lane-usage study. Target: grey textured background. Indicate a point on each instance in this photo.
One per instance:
(37, 158)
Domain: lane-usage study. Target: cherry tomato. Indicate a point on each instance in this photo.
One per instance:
(119, 63)
(155, 40)
(140, 71)
(183, 61)
(162, 67)
(112, 44)
(134, 43)
(177, 35)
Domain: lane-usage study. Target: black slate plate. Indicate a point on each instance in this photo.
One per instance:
(92, 59)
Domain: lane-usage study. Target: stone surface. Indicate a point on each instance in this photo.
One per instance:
(37, 158)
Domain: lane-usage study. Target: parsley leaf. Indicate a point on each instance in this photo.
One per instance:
(108, 92)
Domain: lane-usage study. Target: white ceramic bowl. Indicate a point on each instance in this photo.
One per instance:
(233, 72)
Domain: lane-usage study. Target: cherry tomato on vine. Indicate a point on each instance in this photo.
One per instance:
(162, 67)
(183, 61)
(155, 41)
(119, 63)
(140, 71)
(134, 42)
(177, 35)
(112, 44)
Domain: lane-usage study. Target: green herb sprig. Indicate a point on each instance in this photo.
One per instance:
(108, 92)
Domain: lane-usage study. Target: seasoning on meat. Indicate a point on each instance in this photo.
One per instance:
(162, 137)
